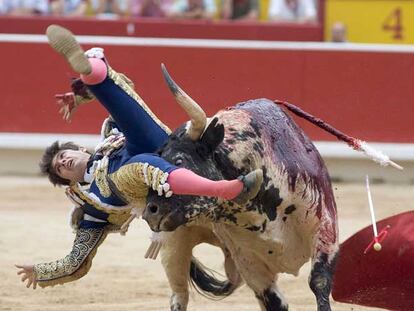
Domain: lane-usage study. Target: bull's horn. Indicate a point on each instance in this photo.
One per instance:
(194, 111)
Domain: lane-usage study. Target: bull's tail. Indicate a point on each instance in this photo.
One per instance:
(204, 280)
(355, 143)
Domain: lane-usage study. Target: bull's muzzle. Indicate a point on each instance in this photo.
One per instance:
(162, 218)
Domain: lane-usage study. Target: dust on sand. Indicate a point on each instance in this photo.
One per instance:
(34, 228)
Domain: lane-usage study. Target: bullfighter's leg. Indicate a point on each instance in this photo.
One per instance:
(143, 130)
(165, 178)
(323, 262)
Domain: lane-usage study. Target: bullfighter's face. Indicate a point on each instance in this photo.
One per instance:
(71, 164)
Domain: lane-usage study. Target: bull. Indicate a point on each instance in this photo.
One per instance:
(292, 219)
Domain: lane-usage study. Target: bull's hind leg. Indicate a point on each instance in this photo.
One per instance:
(323, 264)
(271, 299)
(253, 269)
(262, 281)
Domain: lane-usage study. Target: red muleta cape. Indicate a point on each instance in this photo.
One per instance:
(383, 279)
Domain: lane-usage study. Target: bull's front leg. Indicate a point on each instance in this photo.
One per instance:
(320, 279)
(176, 259)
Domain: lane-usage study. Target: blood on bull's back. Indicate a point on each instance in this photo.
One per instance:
(296, 191)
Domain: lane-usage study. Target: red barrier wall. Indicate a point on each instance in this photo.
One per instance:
(162, 28)
(369, 95)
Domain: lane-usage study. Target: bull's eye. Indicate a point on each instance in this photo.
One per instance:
(178, 162)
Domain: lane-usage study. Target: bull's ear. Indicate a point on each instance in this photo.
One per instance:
(213, 135)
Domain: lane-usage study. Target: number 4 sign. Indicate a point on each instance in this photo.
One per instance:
(393, 23)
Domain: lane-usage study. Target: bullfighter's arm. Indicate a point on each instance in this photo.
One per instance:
(76, 264)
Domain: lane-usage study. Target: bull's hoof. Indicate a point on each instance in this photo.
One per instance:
(64, 42)
(251, 186)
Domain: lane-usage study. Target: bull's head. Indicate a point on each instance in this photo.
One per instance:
(192, 146)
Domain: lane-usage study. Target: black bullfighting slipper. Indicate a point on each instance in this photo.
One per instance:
(251, 186)
(64, 42)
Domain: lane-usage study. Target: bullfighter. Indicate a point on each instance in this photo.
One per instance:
(113, 182)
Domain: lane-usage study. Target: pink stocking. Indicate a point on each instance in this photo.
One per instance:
(98, 73)
(183, 181)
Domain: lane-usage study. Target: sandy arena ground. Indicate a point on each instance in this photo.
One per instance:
(34, 228)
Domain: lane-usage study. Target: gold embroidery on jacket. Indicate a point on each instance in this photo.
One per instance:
(117, 215)
(119, 79)
(100, 179)
(106, 147)
(129, 182)
(74, 265)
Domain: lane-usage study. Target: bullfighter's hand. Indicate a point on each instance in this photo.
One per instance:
(28, 274)
(67, 105)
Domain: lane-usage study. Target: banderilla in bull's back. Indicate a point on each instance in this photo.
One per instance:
(355, 143)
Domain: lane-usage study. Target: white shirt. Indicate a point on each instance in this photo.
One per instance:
(279, 10)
